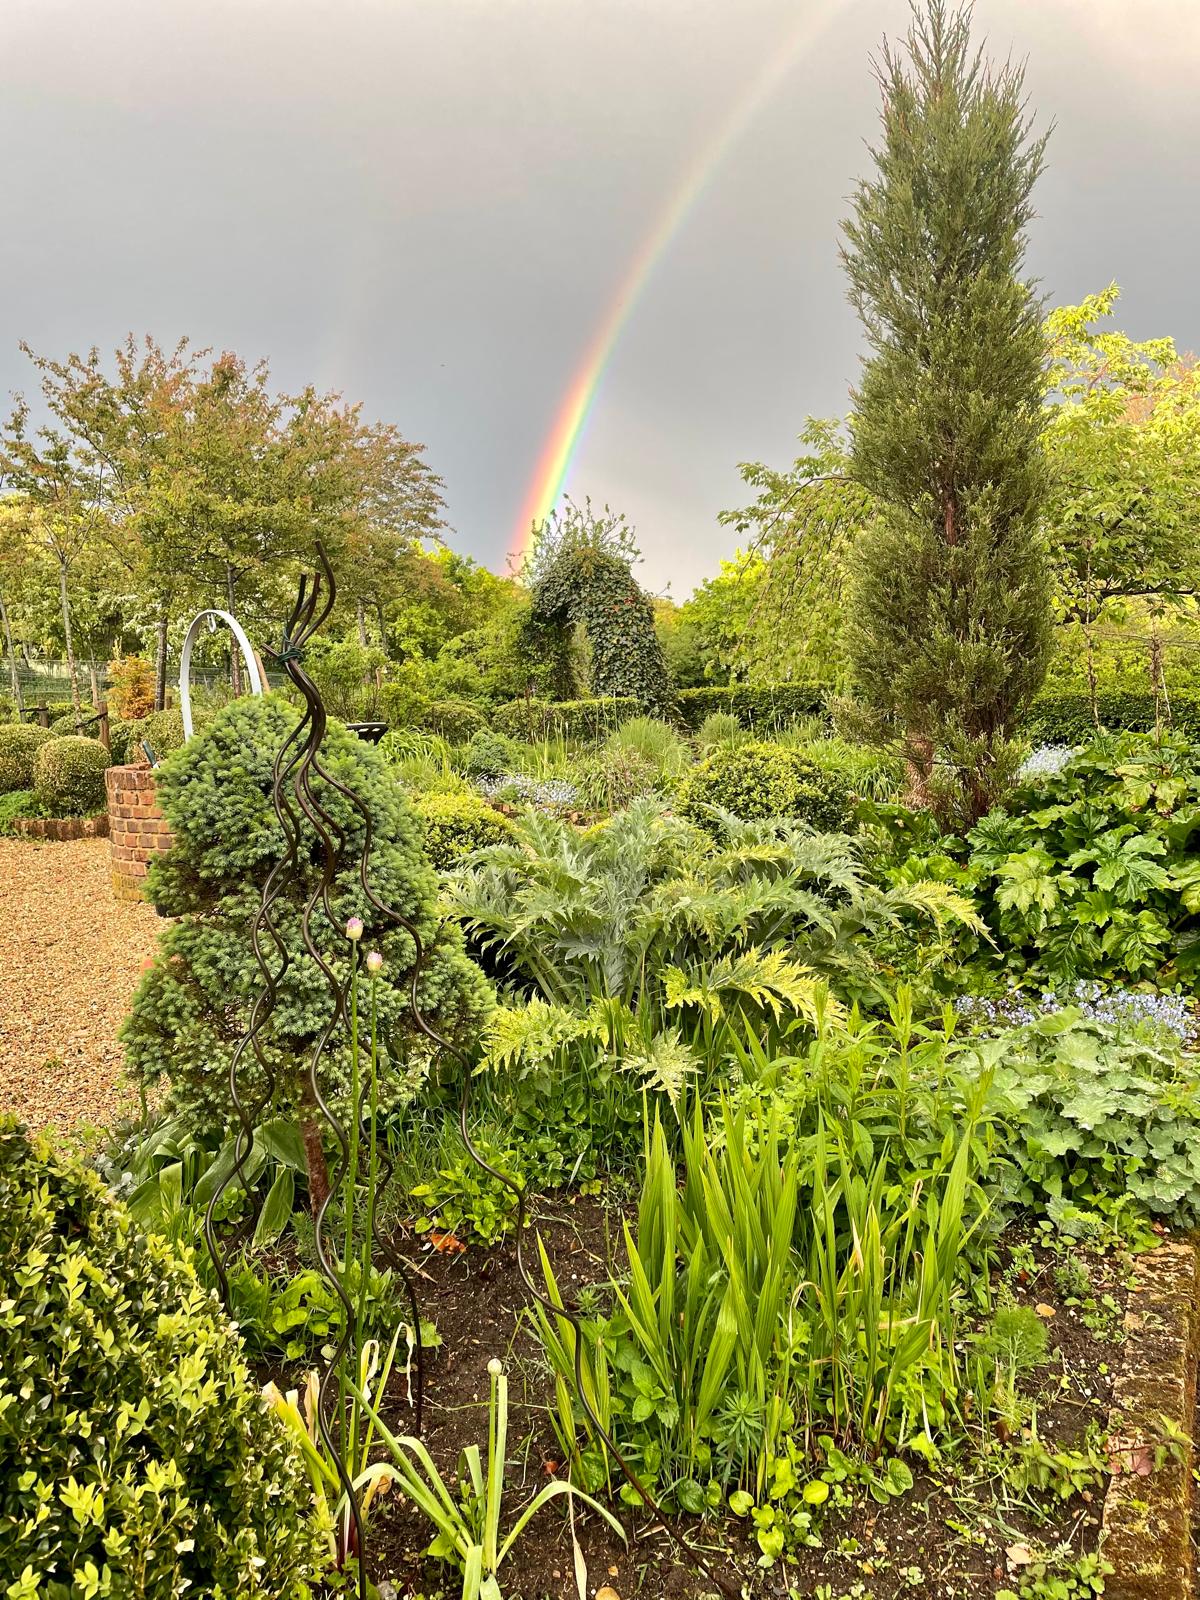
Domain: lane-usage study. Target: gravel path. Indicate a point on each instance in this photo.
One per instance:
(70, 957)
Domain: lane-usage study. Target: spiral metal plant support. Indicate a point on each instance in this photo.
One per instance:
(296, 803)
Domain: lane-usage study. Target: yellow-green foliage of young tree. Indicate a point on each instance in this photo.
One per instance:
(1123, 442)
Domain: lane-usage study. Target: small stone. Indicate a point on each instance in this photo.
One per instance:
(607, 1592)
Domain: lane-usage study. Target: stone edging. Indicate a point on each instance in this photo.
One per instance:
(1146, 1533)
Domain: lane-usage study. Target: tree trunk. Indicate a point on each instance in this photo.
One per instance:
(1093, 698)
(235, 655)
(160, 659)
(69, 641)
(382, 628)
(918, 756)
(94, 678)
(361, 612)
(1158, 679)
(314, 1150)
(14, 675)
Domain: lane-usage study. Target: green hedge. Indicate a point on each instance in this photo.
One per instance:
(1067, 718)
(761, 709)
(457, 721)
(583, 720)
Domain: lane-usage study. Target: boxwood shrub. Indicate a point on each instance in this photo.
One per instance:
(135, 1455)
(756, 780)
(456, 824)
(19, 742)
(68, 775)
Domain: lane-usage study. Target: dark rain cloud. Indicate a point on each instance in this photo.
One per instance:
(430, 205)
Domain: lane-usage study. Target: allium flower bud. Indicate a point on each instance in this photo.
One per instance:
(374, 961)
(494, 1368)
(354, 929)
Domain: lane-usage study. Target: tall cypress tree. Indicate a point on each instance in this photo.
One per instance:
(949, 626)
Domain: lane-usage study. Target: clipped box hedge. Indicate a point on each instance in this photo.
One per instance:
(758, 708)
(582, 720)
(1067, 718)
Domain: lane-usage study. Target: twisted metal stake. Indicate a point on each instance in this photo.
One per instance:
(295, 803)
(291, 782)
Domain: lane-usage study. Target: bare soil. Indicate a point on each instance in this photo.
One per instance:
(948, 1537)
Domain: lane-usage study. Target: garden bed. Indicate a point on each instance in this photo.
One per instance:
(962, 1530)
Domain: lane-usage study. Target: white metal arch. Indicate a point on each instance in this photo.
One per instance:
(185, 660)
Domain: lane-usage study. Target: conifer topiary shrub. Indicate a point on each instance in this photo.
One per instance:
(193, 1006)
(755, 780)
(68, 776)
(136, 1456)
(19, 742)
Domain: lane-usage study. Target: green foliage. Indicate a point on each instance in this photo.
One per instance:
(687, 925)
(612, 782)
(489, 754)
(719, 728)
(466, 1524)
(192, 1007)
(781, 1287)
(456, 721)
(582, 720)
(19, 742)
(641, 757)
(349, 676)
(949, 631)
(1090, 873)
(1105, 1120)
(1068, 719)
(136, 1457)
(123, 740)
(579, 573)
(68, 776)
(458, 824)
(778, 611)
(1123, 441)
(163, 732)
(762, 709)
(754, 781)
(654, 741)
(1061, 1575)
(19, 803)
(405, 699)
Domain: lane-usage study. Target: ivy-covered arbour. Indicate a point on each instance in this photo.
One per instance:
(579, 573)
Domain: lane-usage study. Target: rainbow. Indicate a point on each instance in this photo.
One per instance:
(570, 423)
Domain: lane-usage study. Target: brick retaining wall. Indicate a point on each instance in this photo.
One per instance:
(136, 829)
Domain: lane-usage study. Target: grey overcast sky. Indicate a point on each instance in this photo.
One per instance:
(430, 205)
